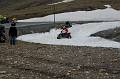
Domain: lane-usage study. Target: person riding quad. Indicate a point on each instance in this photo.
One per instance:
(64, 33)
(64, 30)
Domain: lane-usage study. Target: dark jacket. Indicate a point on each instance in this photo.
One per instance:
(13, 31)
(13, 23)
(2, 30)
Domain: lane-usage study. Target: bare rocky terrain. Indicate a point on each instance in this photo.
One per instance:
(40, 61)
(22, 9)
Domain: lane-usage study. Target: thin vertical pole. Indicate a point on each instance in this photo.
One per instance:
(53, 10)
(54, 15)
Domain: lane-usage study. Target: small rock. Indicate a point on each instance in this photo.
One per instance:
(2, 72)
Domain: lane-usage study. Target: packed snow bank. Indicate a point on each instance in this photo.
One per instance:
(108, 6)
(80, 36)
(67, 0)
(107, 14)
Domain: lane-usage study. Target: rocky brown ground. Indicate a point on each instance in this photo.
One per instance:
(40, 61)
(22, 9)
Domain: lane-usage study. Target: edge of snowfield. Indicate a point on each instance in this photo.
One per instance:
(80, 36)
(108, 14)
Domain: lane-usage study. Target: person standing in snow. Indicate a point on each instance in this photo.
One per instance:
(13, 33)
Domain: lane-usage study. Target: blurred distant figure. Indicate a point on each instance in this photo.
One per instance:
(4, 20)
(14, 19)
(13, 23)
(2, 34)
(13, 33)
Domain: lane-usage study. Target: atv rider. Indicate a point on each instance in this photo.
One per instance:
(64, 30)
(64, 33)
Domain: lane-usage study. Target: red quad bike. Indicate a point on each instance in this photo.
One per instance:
(64, 35)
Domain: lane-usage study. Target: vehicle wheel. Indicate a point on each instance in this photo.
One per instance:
(59, 36)
(70, 37)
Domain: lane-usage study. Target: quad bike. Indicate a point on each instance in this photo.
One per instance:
(64, 35)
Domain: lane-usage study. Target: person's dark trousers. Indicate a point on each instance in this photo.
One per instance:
(12, 40)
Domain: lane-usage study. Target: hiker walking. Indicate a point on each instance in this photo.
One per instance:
(13, 33)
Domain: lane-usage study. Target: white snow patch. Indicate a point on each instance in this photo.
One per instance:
(80, 33)
(108, 6)
(80, 36)
(107, 14)
(67, 0)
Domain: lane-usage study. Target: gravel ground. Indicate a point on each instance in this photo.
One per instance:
(39, 61)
